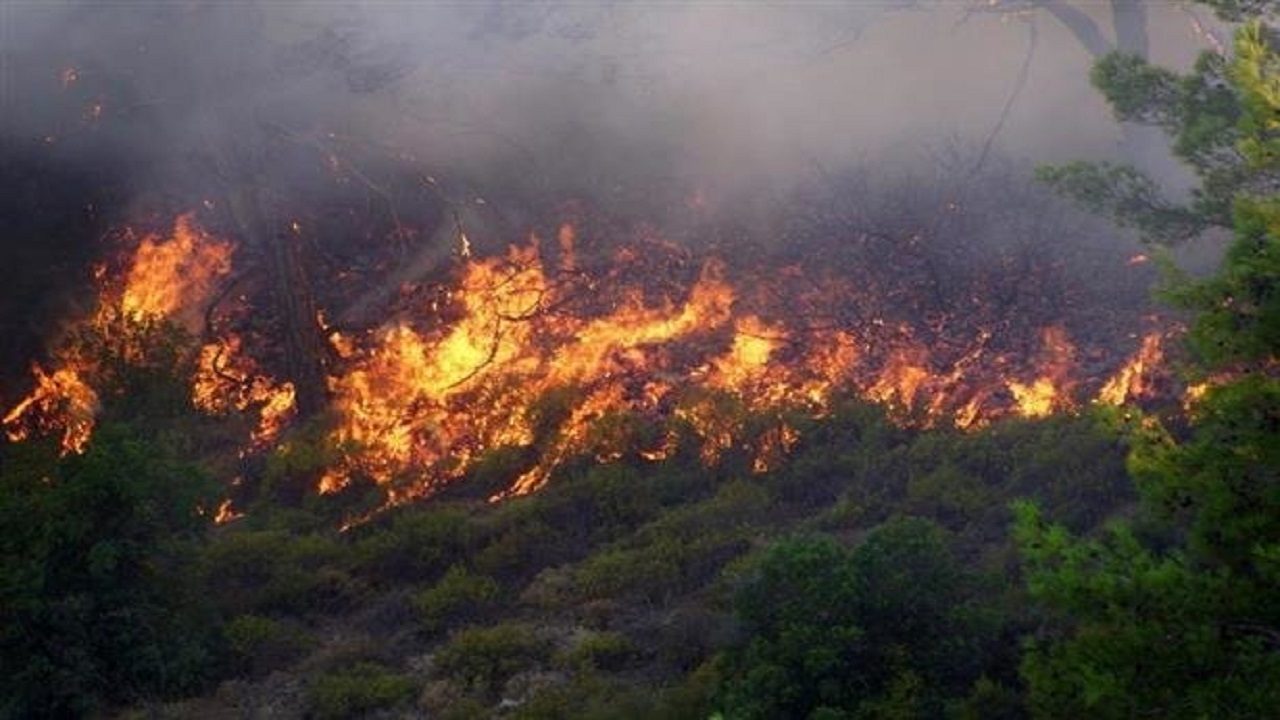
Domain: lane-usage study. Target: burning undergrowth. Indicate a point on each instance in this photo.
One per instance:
(615, 341)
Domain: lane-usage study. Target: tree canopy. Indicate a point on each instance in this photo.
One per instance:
(1174, 613)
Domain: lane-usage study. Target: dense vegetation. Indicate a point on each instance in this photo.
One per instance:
(629, 589)
(1174, 613)
(873, 575)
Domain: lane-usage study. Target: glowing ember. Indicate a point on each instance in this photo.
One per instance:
(226, 513)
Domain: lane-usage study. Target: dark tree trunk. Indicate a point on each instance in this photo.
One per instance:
(293, 303)
(1129, 23)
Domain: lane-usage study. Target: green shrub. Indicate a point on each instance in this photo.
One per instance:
(359, 689)
(641, 573)
(609, 651)
(415, 544)
(259, 644)
(459, 596)
(483, 658)
(888, 629)
(98, 603)
(291, 471)
(269, 571)
(592, 697)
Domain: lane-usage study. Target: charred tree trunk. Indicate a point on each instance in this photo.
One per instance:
(293, 303)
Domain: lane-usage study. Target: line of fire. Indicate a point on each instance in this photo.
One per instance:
(586, 336)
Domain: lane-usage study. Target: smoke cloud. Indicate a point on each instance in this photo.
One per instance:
(128, 111)
(586, 97)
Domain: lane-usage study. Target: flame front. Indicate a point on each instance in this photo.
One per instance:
(560, 362)
(1134, 380)
(514, 358)
(163, 278)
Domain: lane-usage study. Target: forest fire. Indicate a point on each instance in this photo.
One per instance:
(418, 407)
(173, 277)
(525, 352)
(169, 278)
(61, 403)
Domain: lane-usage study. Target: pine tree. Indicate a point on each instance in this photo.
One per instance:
(1178, 615)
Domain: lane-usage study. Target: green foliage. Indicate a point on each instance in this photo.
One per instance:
(259, 644)
(274, 571)
(1149, 632)
(1178, 618)
(357, 690)
(1238, 309)
(804, 634)
(292, 469)
(609, 651)
(676, 553)
(1127, 196)
(141, 368)
(97, 602)
(1202, 112)
(855, 450)
(592, 697)
(414, 544)
(483, 658)
(1237, 10)
(888, 630)
(459, 596)
(693, 698)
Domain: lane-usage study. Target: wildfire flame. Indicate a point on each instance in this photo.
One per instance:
(163, 278)
(1133, 381)
(61, 403)
(557, 360)
(422, 401)
(227, 380)
(172, 277)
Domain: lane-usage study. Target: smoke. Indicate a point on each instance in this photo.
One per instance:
(131, 111)
(577, 97)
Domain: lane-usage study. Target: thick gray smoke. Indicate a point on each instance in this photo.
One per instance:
(123, 111)
(583, 97)
(127, 111)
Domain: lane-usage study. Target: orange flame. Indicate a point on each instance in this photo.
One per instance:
(1051, 390)
(1133, 381)
(546, 357)
(169, 278)
(506, 366)
(227, 380)
(226, 513)
(172, 277)
(60, 403)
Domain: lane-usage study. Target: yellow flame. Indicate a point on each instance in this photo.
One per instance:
(1132, 381)
(61, 402)
(170, 277)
